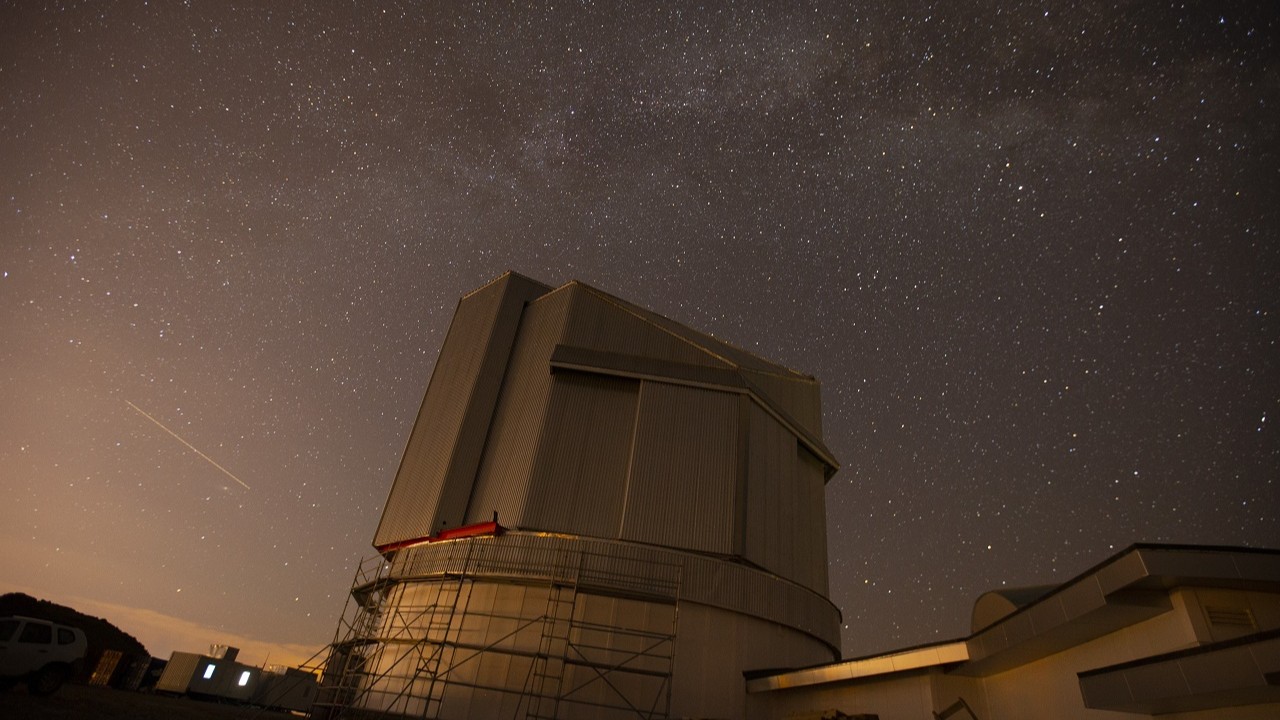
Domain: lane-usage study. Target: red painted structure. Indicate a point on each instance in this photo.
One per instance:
(477, 530)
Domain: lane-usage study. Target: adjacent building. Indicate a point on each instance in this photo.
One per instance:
(1171, 631)
(219, 676)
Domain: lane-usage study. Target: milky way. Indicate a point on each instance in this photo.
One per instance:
(1030, 252)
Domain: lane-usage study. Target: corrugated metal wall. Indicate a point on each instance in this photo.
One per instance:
(794, 393)
(411, 508)
(798, 397)
(580, 476)
(770, 476)
(726, 352)
(684, 469)
(469, 446)
(437, 471)
(177, 674)
(502, 480)
(603, 323)
(811, 529)
(604, 456)
(785, 512)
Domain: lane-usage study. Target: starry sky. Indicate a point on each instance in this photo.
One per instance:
(1030, 251)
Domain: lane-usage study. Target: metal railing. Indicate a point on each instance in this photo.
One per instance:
(394, 656)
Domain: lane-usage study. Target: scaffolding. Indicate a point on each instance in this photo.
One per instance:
(407, 635)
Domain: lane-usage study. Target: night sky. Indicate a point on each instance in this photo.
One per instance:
(1031, 252)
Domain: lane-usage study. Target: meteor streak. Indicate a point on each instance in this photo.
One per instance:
(189, 445)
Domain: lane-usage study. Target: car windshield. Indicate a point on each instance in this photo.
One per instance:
(7, 627)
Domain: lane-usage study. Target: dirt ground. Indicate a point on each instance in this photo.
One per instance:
(81, 702)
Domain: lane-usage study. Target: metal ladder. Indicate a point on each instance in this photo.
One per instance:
(549, 663)
(433, 664)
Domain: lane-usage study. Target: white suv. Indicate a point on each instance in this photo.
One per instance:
(39, 652)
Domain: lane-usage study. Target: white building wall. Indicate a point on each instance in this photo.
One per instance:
(906, 696)
(717, 646)
(497, 630)
(1048, 689)
(1045, 689)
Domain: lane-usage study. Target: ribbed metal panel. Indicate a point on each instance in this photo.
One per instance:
(177, 674)
(798, 397)
(502, 480)
(438, 469)
(725, 352)
(608, 324)
(810, 440)
(742, 477)
(580, 476)
(683, 472)
(785, 508)
(770, 475)
(811, 528)
(604, 323)
(411, 508)
(470, 442)
(473, 451)
(568, 357)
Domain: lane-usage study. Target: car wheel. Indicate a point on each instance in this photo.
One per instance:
(47, 680)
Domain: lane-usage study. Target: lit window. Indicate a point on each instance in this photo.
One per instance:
(244, 678)
(208, 671)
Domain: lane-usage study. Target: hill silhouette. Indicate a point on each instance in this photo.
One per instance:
(100, 633)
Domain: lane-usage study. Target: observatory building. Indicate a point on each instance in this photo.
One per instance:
(600, 513)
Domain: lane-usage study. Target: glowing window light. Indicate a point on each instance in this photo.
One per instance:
(244, 678)
(208, 671)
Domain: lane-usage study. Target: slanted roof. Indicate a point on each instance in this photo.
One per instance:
(1242, 671)
(933, 655)
(710, 344)
(1123, 590)
(1127, 588)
